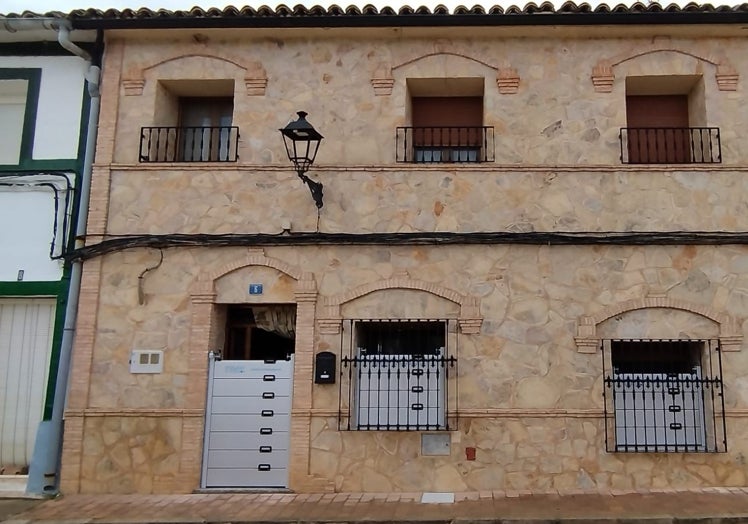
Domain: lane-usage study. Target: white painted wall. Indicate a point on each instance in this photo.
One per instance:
(26, 231)
(60, 101)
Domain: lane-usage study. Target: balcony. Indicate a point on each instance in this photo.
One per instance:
(444, 144)
(670, 145)
(189, 144)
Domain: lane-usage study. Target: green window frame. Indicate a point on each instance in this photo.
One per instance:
(34, 77)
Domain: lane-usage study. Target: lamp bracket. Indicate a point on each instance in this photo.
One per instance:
(315, 188)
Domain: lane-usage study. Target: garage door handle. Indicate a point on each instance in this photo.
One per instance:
(266, 449)
(268, 378)
(263, 467)
(267, 413)
(268, 394)
(266, 431)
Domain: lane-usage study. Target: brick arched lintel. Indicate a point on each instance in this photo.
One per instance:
(192, 55)
(470, 319)
(662, 49)
(439, 53)
(658, 302)
(255, 77)
(395, 283)
(603, 75)
(254, 257)
(587, 340)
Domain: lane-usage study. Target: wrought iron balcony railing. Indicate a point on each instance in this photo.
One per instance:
(444, 144)
(189, 144)
(670, 145)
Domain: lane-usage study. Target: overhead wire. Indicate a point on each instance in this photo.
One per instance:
(115, 243)
(18, 180)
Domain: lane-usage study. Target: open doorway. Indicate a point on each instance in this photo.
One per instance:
(264, 332)
(250, 386)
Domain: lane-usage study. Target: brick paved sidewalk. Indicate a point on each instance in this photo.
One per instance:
(719, 505)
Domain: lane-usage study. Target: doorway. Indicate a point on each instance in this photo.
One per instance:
(248, 414)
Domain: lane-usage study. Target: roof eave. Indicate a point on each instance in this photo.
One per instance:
(416, 20)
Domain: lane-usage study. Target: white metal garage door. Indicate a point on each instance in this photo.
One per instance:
(247, 424)
(26, 330)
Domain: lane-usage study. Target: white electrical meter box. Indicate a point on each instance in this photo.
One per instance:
(146, 361)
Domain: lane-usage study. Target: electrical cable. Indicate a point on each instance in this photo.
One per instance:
(54, 220)
(637, 238)
(141, 292)
(11, 177)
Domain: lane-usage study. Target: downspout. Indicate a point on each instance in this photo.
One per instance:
(44, 470)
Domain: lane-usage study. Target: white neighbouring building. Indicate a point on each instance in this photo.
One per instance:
(44, 115)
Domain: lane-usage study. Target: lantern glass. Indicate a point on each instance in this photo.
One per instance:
(302, 142)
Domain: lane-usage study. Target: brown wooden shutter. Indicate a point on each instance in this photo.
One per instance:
(447, 121)
(658, 129)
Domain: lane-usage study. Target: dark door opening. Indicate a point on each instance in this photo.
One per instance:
(260, 332)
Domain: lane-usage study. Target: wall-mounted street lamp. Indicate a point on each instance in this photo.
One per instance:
(302, 141)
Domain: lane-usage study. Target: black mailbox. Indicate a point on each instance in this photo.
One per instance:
(324, 368)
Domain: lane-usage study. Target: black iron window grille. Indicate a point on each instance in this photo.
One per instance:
(444, 144)
(670, 145)
(189, 144)
(663, 396)
(396, 375)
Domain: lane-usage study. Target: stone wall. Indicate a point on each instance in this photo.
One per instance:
(528, 400)
(514, 452)
(530, 318)
(553, 115)
(236, 200)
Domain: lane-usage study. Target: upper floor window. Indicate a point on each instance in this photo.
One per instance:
(12, 111)
(447, 122)
(19, 96)
(666, 122)
(199, 127)
(205, 129)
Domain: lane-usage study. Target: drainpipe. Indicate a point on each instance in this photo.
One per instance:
(44, 471)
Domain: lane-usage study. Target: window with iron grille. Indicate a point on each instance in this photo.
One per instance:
(663, 396)
(396, 374)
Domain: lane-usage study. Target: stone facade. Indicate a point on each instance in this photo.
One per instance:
(528, 391)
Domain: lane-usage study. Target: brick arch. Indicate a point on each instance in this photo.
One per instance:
(587, 340)
(254, 257)
(396, 283)
(255, 77)
(507, 78)
(469, 319)
(656, 302)
(603, 75)
(192, 55)
(439, 53)
(631, 56)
